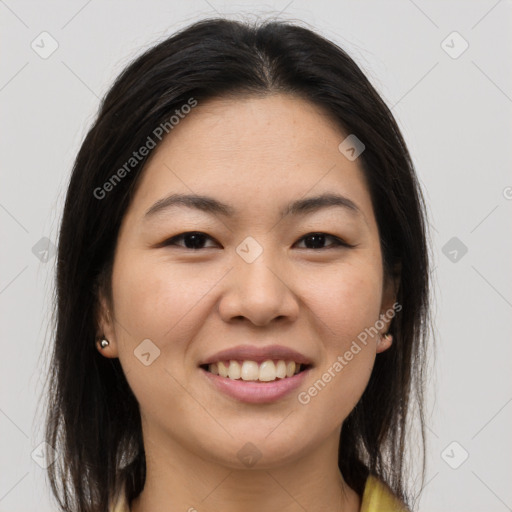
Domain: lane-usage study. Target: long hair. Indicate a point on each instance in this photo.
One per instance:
(92, 417)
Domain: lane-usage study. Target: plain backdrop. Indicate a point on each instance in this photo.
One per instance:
(445, 70)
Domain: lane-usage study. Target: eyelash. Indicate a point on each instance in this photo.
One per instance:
(337, 241)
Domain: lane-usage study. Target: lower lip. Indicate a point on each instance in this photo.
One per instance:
(256, 392)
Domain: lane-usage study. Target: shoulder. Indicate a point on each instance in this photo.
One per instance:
(378, 497)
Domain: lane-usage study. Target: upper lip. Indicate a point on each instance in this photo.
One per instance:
(257, 354)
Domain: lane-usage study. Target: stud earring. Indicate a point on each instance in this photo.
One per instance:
(104, 343)
(387, 337)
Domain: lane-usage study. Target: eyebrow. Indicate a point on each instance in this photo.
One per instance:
(213, 206)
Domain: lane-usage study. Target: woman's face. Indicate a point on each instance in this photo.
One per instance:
(252, 280)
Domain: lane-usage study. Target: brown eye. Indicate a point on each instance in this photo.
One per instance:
(193, 240)
(318, 240)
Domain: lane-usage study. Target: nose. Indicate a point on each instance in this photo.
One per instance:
(259, 292)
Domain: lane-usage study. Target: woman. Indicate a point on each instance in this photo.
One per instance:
(242, 285)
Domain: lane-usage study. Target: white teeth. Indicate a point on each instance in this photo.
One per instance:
(249, 370)
(267, 371)
(234, 370)
(281, 369)
(223, 369)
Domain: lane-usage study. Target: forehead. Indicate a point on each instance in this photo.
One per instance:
(256, 153)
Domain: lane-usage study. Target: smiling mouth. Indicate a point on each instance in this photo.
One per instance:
(266, 371)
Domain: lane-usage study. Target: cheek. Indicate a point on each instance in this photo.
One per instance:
(347, 304)
(337, 387)
(347, 300)
(163, 303)
(145, 303)
(160, 301)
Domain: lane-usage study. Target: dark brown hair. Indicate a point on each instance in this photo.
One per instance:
(93, 418)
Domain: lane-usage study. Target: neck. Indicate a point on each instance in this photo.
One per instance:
(178, 479)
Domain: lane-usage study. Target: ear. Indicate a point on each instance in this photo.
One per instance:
(389, 307)
(105, 328)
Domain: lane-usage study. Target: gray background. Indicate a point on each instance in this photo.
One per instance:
(455, 112)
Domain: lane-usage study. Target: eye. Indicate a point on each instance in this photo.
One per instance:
(317, 241)
(193, 240)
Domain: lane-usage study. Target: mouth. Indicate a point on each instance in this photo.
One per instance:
(252, 383)
(270, 370)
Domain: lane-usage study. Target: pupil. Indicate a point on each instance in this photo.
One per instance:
(194, 240)
(318, 240)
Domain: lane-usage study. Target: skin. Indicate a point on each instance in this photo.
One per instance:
(255, 154)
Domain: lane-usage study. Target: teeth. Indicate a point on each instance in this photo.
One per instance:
(249, 370)
(234, 370)
(267, 371)
(281, 369)
(223, 369)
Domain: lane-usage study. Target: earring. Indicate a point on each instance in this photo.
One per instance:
(387, 337)
(104, 343)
